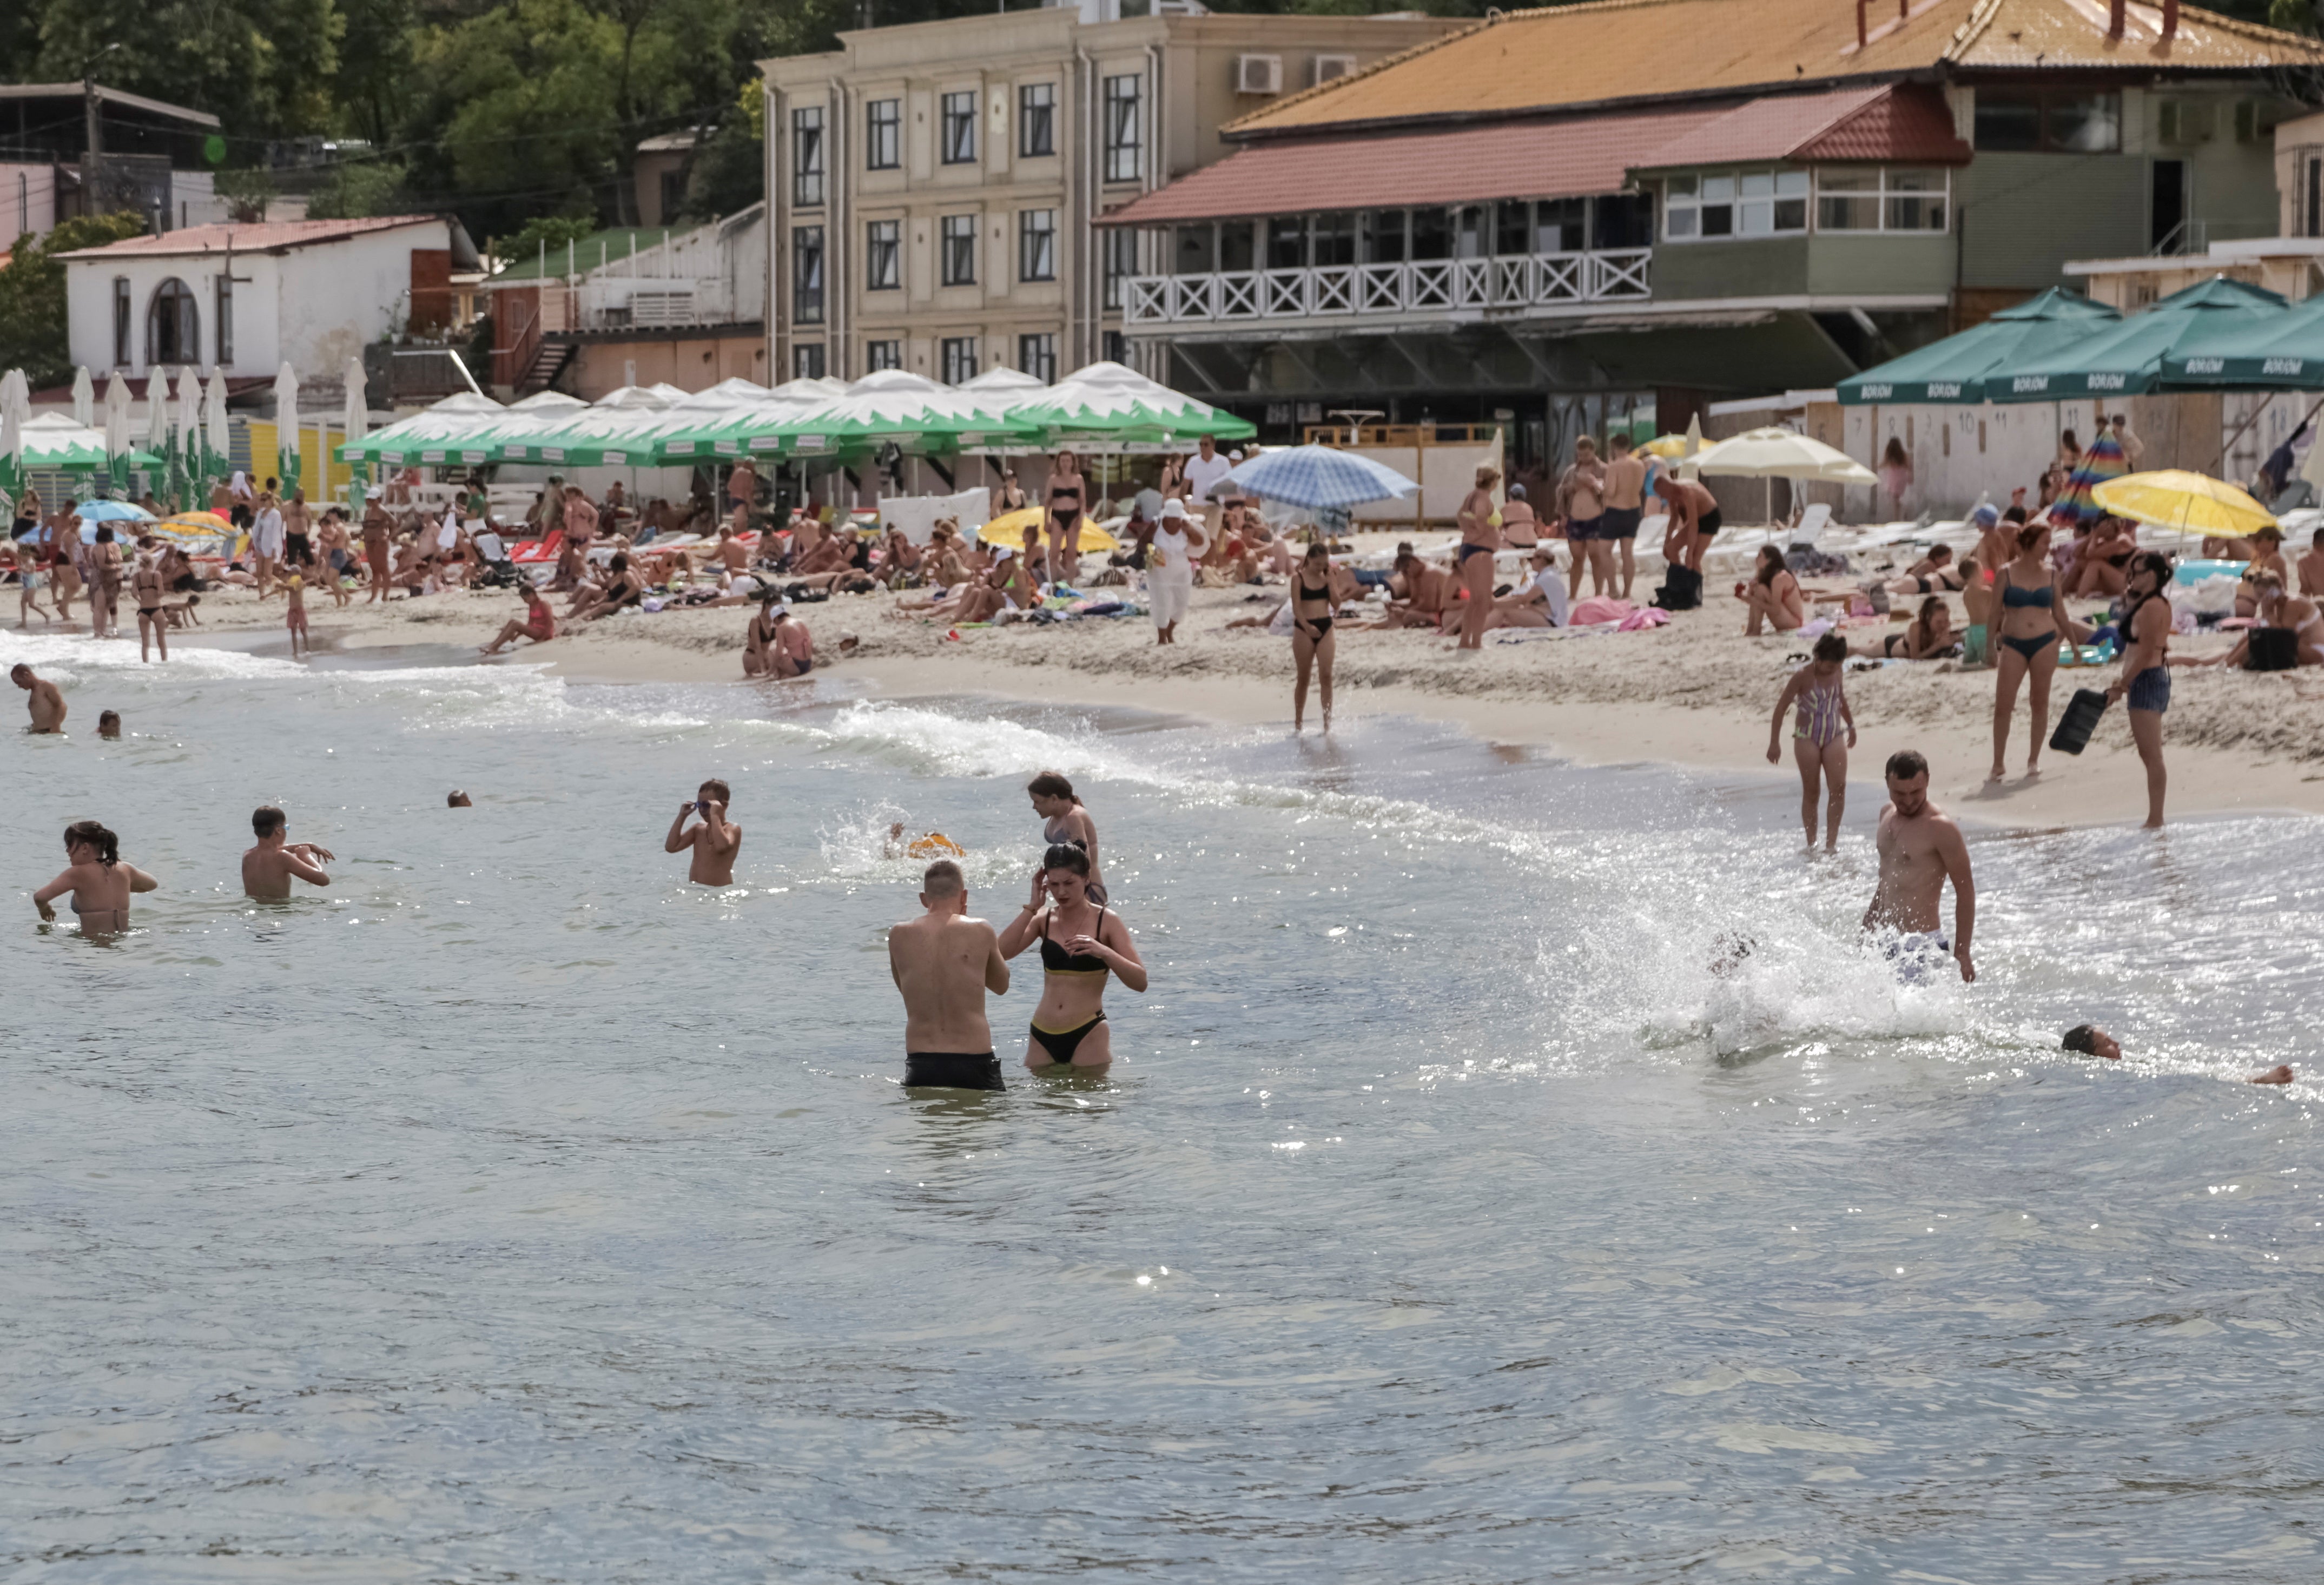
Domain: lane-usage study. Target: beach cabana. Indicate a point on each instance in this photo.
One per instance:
(891, 407)
(1954, 370)
(2125, 358)
(460, 430)
(1108, 407)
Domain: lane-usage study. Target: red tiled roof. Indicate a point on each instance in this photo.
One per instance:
(266, 236)
(1508, 160)
(1904, 125)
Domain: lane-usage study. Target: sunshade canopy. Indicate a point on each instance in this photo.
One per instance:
(1110, 404)
(891, 407)
(54, 442)
(459, 429)
(1780, 454)
(2126, 358)
(2191, 503)
(1954, 370)
(1009, 529)
(1320, 478)
(2285, 352)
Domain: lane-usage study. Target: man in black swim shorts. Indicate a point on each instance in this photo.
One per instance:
(944, 961)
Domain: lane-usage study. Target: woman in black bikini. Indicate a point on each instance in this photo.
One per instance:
(1082, 942)
(1311, 631)
(2031, 616)
(1927, 636)
(2146, 677)
(1065, 491)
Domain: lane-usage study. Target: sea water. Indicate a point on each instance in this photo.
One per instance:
(515, 1212)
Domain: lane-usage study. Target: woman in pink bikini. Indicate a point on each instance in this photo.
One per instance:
(1821, 740)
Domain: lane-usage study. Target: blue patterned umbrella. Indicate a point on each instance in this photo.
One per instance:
(1319, 477)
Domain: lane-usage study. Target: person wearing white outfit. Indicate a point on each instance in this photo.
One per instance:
(1204, 472)
(1170, 568)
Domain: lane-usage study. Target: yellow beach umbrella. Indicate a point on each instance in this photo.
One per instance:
(196, 522)
(1009, 529)
(2191, 503)
(1669, 447)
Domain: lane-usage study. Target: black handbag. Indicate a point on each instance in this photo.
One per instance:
(2080, 721)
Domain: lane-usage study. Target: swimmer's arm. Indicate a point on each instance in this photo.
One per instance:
(1021, 931)
(996, 967)
(1120, 954)
(679, 841)
(139, 881)
(48, 894)
(725, 835)
(295, 863)
(1089, 839)
(1952, 851)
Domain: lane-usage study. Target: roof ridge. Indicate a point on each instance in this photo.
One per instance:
(1492, 18)
(1980, 17)
(2236, 25)
(1873, 95)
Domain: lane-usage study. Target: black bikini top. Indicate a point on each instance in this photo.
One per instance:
(1058, 961)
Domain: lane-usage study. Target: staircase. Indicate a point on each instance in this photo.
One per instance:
(550, 359)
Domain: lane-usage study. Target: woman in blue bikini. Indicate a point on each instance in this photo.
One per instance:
(1082, 942)
(2029, 620)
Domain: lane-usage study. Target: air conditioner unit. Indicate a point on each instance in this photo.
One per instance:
(1258, 74)
(1330, 68)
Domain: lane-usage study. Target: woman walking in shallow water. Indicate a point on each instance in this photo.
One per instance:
(1311, 632)
(1081, 943)
(1825, 732)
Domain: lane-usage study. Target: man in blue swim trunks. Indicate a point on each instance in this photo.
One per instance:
(1921, 848)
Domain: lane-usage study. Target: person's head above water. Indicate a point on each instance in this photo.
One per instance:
(1051, 793)
(457, 799)
(109, 723)
(267, 820)
(2092, 1041)
(21, 675)
(942, 884)
(102, 844)
(1908, 782)
(1064, 868)
(713, 791)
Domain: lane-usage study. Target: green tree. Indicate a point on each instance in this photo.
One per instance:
(264, 67)
(356, 189)
(32, 325)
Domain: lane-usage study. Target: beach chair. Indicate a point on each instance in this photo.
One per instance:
(539, 550)
(1812, 522)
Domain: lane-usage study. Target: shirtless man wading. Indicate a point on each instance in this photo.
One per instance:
(944, 962)
(268, 867)
(1919, 850)
(47, 704)
(714, 842)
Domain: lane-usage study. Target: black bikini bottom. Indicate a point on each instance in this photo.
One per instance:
(952, 1070)
(1060, 1044)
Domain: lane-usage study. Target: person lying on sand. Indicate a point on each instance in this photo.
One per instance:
(1421, 601)
(1927, 636)
(2089, 1040)
(1933, 572)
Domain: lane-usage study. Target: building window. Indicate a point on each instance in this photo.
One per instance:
(1037, 121)
(1036, 245)
(1123, 135)
(883, 135)
(959, 129)
(121, 322)
(225, 319)
(1561, 225)
(807, 156)
(2066, 121)
(1750, 203)
(959, 359)
(1116, 347)
(1120, 262)
(172, 326)
(959, 237)
(883, 354)
(1909, 201)
(1037, 356)
(806, 274)
(883, 251)
(807, 361)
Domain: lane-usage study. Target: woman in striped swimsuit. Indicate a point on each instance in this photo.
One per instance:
(1821, 740)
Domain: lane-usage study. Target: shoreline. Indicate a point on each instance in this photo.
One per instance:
(1696, 694)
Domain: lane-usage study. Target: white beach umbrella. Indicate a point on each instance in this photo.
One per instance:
(116, 414)
(11, 439)
(357, 418)
(84, 398)
(216, 437)
(286, 428)
(1782, 454)
(157, 413)
(190, 413)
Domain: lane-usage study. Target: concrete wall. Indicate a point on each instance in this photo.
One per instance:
(335, 296)
(691, 363)
(2025, 215)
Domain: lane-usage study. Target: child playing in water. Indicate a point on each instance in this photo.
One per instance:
(1825, 732)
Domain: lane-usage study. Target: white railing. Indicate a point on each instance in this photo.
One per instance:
(1422, 286)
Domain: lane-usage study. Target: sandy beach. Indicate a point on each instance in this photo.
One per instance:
(1697, 693)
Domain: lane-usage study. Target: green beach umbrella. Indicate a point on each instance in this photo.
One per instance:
(459, 431)
(1954, 370)
(2285, 352)
(1110, 405)
(614, 431)
(2125, 358)
(891, 407)
(714, 423)
(53, 443)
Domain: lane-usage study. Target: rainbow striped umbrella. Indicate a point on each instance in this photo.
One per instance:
(2104, 461)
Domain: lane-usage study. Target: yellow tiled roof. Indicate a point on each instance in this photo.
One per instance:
(1625, 51)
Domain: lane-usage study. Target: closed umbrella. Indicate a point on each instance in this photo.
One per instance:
(13, 386)
(357, 418)
(2185, 503)
(186, 465)
(286, 429)
(84, 398)
(116, 428)
(217, 439)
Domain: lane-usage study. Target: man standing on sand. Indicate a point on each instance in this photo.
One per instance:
(378, 535)
(1626, 504)
(580, 520)
(47, 704)
(268, 867)
(1206, 470)
(944, 961)
(1920, 849)
(714, 842)
(1582, 505)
